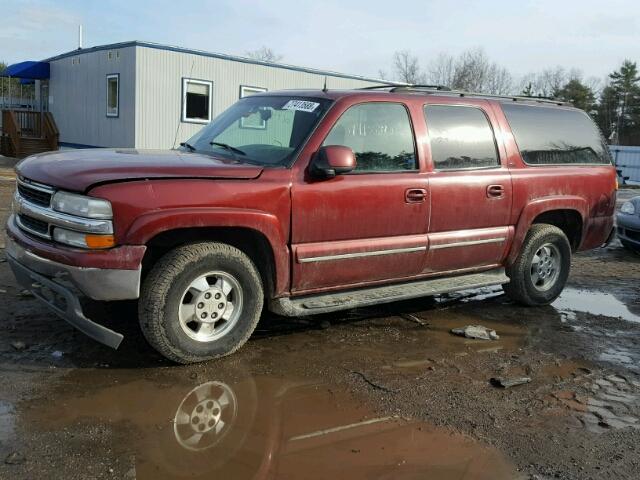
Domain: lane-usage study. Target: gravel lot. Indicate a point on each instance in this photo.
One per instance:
(385, 392)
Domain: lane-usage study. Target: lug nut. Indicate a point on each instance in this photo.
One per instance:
(217, 296)
(207, 295)
(221, 306)
(201, 305)
(204, 315)
(214, 315)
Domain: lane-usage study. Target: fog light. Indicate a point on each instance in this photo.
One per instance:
(83, 240)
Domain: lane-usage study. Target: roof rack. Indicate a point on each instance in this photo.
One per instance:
(444, 90)
(513, 98)
(396, 87)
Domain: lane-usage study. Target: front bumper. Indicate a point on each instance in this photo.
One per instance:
(64, 302)
(98, 283)
(60, 285)
(628, 228)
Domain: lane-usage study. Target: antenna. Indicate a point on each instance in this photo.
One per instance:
(79, 37)
(324, 89)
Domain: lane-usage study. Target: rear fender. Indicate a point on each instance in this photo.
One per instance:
(542, 205)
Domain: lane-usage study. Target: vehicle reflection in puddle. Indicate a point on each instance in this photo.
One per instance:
(261, 427)
(595, 303)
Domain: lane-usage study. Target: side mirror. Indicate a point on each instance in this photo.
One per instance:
(332, 160)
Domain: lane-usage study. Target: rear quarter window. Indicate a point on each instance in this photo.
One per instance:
(556, 136)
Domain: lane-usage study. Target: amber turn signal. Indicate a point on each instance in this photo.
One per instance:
(99, 241)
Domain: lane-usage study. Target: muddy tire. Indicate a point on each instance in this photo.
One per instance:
(200, 302)
(540, 272)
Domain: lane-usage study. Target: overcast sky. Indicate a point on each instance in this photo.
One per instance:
(350, 36)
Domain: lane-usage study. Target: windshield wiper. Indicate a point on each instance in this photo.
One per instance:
(190, 147)
(226, 146)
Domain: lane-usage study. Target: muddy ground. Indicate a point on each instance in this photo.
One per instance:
(385, 392)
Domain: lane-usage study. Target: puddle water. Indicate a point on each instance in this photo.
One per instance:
(241, 426)
(596, 303)
(7, 422)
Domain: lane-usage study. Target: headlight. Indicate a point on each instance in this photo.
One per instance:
(82, 240)
(81, 206)
(628, 208)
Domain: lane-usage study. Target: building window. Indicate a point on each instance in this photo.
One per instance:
(196, 100)
(254, 120)
(113, 94)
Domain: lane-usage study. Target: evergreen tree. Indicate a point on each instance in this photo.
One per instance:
(578, 94)
(619, 110)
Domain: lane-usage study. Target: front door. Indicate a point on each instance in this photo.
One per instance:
(470, 187)
(369, 225)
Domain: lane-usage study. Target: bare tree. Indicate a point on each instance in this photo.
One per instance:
(471, 70)
(264, 54)
(407, 68)
(549, 81)
(441, 71)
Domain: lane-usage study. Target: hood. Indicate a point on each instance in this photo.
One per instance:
(77, 170)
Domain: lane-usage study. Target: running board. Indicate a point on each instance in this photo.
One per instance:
(331, 302)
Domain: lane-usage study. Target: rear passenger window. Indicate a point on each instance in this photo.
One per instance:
(460, 137)
(379, 134)
(553, 135)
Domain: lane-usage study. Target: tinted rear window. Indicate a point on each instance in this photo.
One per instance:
(551, 135)
(460, 137)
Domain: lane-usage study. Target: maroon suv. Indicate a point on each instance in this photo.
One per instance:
(305, 202)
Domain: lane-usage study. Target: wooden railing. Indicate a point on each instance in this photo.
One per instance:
(11, 128)
(50, 131)
(37, 128)
(30, 122)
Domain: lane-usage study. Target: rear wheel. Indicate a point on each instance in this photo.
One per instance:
(200, 301)
(540, 272)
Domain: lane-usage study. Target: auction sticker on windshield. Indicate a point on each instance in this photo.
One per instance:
(300, 105)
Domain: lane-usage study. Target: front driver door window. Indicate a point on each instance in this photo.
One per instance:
(379, 134)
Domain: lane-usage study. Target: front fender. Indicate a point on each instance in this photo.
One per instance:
(542, 205)
(150, 224)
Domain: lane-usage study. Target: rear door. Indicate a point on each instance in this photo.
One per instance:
(470, 186)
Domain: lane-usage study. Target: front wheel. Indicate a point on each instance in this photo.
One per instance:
(200, 301)
(540, 272)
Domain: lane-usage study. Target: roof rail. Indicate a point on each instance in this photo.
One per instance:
(513, 98)
(396, 87)
(419, 87)
(444, 90)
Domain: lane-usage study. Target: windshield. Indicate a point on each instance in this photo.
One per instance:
(266, 130)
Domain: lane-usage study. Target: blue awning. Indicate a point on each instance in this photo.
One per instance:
(30, 70)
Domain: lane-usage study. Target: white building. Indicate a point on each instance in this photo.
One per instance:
(146, 95)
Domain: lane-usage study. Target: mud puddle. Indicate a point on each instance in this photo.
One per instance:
(7, 421)
(594, 303)
(241, 426)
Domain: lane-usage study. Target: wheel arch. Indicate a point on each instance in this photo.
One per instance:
(568, 213)
(255, 233)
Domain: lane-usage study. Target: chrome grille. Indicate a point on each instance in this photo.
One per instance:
(35, 196)
(35, 215)
(35, 192)
(33, 225)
